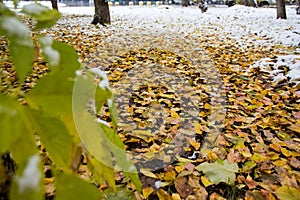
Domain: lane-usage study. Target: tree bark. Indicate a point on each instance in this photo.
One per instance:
(251, 3)
(298, 8)
(54, 4)
(185, 3)
(102, 15)
(281, 12)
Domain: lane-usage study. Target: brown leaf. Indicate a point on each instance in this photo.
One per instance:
(216, 196)
(249, 182)
(182, 186)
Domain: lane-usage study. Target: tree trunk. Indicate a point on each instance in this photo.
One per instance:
(298, 8)
(54, 4)
(252, 3)
(185, 3)
(102, 15)
(281, 13)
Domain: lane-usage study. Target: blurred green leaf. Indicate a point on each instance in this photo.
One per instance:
(123, 161)
(57, 140)
(44, 16)
(103, 172)
(29, 184)
(16, 129)
(53, 93)
(90, 131)
(20, 47)
(70, 187)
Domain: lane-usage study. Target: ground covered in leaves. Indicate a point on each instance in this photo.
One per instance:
(197, 119)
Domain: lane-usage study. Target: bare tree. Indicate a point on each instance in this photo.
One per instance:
(281, 12)
(54, 4)
(102, 15)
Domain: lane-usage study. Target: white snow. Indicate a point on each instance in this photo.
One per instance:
(102, 122)
(104, 83)
(31, 176)
(157, 184)
(281, 67)
(35, 9)
(52, 54)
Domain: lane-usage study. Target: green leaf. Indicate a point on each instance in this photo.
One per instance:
(113, 112)
(57, 140)
(4, 11)
(44, 16)
(286, 192)
(90, 131)
(121, 193)
(217, 172)
(102, 172)
(53, 93)
(16, 129)
(29, 182)
(52, 55)
(20, 47)
(117, 147)
(70, 187)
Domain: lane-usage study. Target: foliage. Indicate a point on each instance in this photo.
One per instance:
(45, 115)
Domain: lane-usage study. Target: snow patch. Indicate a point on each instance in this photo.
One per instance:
(281, 67)
(31, 176)
(157, 184)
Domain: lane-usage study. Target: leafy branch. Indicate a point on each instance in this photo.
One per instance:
(55, 111)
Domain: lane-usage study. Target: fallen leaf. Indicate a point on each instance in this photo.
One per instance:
(217, 172)
(286, 192)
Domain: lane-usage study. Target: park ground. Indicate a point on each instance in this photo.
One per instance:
(204, 98)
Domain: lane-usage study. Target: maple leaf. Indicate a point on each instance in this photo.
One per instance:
(217, 172)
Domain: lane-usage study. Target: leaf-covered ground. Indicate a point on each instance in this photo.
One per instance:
(197, 119)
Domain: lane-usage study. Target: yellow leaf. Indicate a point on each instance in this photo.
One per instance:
(295, 127)
(212, 156)
(197, 128)
(147, 191)
(169, 176)
(176, 196)
(280, 163)
(169, 96)
(174, 114)
(179, 168)
(163, 195)
(148, 173)
(195, 144)
(207, 106)
(206, 182)
(286, 152)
